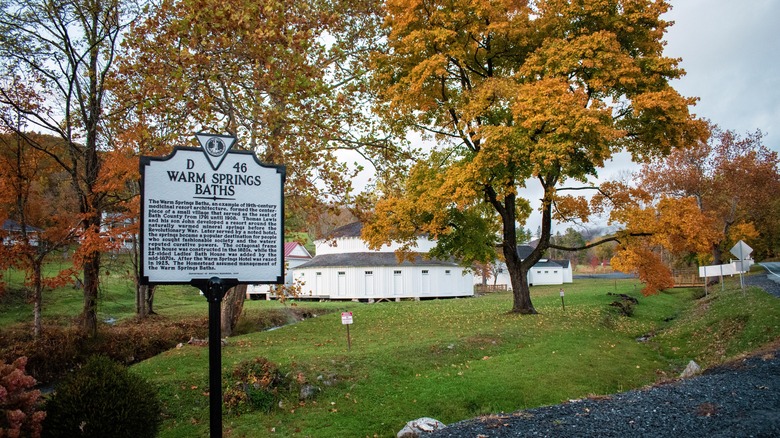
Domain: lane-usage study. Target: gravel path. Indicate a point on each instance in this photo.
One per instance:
(765, 283)
(739, 399)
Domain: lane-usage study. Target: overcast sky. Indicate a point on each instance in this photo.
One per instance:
(731, 53)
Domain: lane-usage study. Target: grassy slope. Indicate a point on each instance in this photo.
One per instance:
(455, 359)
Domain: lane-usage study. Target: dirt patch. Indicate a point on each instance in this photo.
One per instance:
(480, 341)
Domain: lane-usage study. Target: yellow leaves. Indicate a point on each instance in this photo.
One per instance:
(566, 128)
(660, 121)
(683, 227)
(743, 231)
(595, 61)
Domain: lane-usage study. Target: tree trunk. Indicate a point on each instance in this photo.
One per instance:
(518, 269)
(37, 300)
(149, 300)
(518, 276)
(717, 254)
(144, 299)
(232, 307)
(91, 283)
(521, 294)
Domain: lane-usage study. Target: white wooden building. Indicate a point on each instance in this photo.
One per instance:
(345, 268)
(544, 272)
(295, 254)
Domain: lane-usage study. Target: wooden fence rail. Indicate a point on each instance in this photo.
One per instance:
(486, 288)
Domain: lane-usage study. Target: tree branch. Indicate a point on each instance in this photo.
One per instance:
(598, 242)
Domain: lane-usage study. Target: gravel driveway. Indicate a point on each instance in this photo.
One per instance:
(739, 399)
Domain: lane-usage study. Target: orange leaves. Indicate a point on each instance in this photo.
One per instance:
(571, 207)
(659, 122)
(647, 264)
(682, 227)
(730, 179)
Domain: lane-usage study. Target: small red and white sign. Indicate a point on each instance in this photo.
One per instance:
(346, 318)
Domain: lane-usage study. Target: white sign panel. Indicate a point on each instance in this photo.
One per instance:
(717, 270)
(743, 266)
(741, 250)
(346, 318)
(207, 215)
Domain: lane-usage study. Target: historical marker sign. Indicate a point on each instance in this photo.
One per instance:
(211, 213)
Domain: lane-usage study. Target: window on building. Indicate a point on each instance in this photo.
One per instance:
(447, 272)
(369, 272)
(425, 271)
(319, 273)
(397, 272)
(342, 273)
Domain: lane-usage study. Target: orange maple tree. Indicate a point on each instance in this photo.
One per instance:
(650, 228)
(519, 93)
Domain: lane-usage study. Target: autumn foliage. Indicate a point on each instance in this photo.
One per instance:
(732, 180)
(20, 413)
(521, 93)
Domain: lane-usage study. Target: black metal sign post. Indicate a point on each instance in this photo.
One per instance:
(214, 291)
(213, 219)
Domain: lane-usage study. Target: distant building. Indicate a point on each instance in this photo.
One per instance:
(295, 255)
(544, 272)
(345, 268)
(12, 230)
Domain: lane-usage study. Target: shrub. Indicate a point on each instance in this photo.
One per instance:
(19, 402)
(103, 399)
(259, 384)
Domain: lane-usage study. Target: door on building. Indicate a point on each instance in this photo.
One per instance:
(425, 286)
(368, 283)
(398, 283)
(342, 284)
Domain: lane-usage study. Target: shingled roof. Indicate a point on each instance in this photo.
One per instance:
(350, 230)
(523, 251)
(369, 259)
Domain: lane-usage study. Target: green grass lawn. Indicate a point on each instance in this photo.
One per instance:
(116, 301)
(448, 359)
(460, 358)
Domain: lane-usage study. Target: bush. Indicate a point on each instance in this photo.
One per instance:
(103, 399)
(259, 384)
(19, 402)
